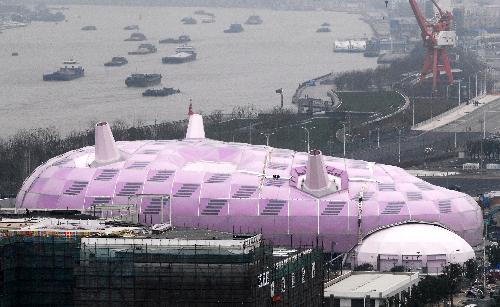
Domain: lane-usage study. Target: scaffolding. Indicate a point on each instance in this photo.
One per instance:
(37, 271)
(140, 275)
(75, 271)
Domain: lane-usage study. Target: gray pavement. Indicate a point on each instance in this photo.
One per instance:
(319, 91)
(473, 121)
(457, 115)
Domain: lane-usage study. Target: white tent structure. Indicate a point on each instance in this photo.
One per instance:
(417, 247)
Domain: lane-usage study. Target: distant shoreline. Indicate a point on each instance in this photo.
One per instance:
(255, 4)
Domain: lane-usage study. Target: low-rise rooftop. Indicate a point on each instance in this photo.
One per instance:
(373, 284)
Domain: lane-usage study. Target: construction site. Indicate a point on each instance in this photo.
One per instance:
(182, 267)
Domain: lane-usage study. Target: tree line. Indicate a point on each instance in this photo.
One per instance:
(21, 153)
(488, 149)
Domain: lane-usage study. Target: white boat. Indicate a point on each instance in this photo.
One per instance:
(182, 54)
(349, 46)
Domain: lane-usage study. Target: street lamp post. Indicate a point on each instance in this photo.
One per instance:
(267, 135)
(468, 89)
(476, 86)
(485, 84)
(308, 131)
(459, 91)
(280, 91)
(413, 114)
(343, 124)
(378, 138)
(484, 121)
(399, 146)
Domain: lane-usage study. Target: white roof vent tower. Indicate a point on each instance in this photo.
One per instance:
(317, 182)
(195, 128)
(106, 151)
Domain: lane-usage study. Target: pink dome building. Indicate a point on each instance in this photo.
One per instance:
(292, 197)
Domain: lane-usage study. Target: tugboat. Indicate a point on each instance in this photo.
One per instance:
(89, 28)
(143, 80)
(180, 40)
(254, 20)
(189, 21)
(69, 71)
(144, 49)
(234, 28)
(166, 91)
(116, 61)
(131, 27)
(136, 37)
(323, 30)
(182, 54)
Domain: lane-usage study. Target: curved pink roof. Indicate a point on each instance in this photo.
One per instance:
(230, 186)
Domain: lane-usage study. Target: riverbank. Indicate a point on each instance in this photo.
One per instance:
(378, 23)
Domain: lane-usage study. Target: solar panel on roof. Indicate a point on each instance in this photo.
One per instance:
(413, 196)
(76, 187)
(274, 207)
(161, 176)
(154, 207)
(101, 200)
(106, 174)
(393, 208)
(214, 207)
(186, 190)
(334, 208)
(129, 189)
(444, 206)
(271, 182)
(386, 187)
(218, 178)
(138, 165)
(245, 191)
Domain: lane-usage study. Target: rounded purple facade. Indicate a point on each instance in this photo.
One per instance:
(246, 188)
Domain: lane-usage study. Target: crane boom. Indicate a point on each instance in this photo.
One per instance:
(436, 36)
(422, 23)
(441, 13)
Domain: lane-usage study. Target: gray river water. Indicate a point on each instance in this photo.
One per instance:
(231, 69)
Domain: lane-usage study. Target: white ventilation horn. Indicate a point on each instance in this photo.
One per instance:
(105, 147)
(317, 182)
(195, 128)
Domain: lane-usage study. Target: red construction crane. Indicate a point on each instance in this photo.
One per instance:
(437, 36)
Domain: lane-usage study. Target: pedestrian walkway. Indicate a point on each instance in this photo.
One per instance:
(454, 114)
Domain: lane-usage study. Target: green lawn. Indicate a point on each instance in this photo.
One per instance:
(379, 102)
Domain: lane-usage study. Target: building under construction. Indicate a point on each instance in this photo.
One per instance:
(177, 268)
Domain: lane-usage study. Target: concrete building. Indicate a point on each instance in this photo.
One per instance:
(361, 289)
(69, 262)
